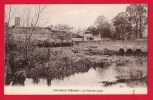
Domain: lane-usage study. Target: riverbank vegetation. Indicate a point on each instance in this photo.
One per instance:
(57, 63)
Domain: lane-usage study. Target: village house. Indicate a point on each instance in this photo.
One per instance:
(97, 37)
(88, 36)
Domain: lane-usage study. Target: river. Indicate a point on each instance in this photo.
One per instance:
(96, 76)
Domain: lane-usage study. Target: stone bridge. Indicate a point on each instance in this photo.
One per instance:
(116, 45)
(141, 44)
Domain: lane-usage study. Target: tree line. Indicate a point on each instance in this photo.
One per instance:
(131, 24)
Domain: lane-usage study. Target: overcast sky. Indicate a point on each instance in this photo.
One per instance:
(76, 15)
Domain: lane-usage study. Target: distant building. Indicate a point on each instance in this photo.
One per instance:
(88, 36)
(17, 21)
(97, 37)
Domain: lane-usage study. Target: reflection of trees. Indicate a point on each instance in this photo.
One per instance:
(106, 73)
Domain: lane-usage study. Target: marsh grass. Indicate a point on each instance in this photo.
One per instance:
(61, 63)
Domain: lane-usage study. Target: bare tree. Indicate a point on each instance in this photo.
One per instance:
(63, 31)
(31, 18)
(138, 18)
(9, 13)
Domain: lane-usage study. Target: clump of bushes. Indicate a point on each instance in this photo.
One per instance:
(122, 62)
(108, 52)
(59, 68)
(91, 52)
(94, 51)
(55, 44)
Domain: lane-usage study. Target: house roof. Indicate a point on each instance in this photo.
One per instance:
(88, 32)
(78, 36)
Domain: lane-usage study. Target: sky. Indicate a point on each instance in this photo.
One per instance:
(75, 15)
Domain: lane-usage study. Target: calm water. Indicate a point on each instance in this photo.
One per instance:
(95, 77)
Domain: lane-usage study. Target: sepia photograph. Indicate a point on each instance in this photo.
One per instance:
(76, 49)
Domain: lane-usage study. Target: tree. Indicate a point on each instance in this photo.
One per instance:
(102, 26)
(9, 44)
(113, 33)
(62, 27)
(121, 24)
(30, 17)
(9, 13)
(93, 30)
(138, 18)
(63, 31)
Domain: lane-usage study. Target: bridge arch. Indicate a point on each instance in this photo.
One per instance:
(138, 52)
(129, 52)
(121, 52)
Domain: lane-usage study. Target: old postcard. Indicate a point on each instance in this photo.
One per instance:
(76, 49)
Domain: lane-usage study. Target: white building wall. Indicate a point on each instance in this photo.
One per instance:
(86, 36)
(97, 38)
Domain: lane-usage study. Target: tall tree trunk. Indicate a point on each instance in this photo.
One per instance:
(140, 19)
(136, 30)
(140, 28)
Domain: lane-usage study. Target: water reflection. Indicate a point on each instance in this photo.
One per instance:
(96, 76)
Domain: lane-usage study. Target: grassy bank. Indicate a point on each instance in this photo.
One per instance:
(62, 62)
(59, 62)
